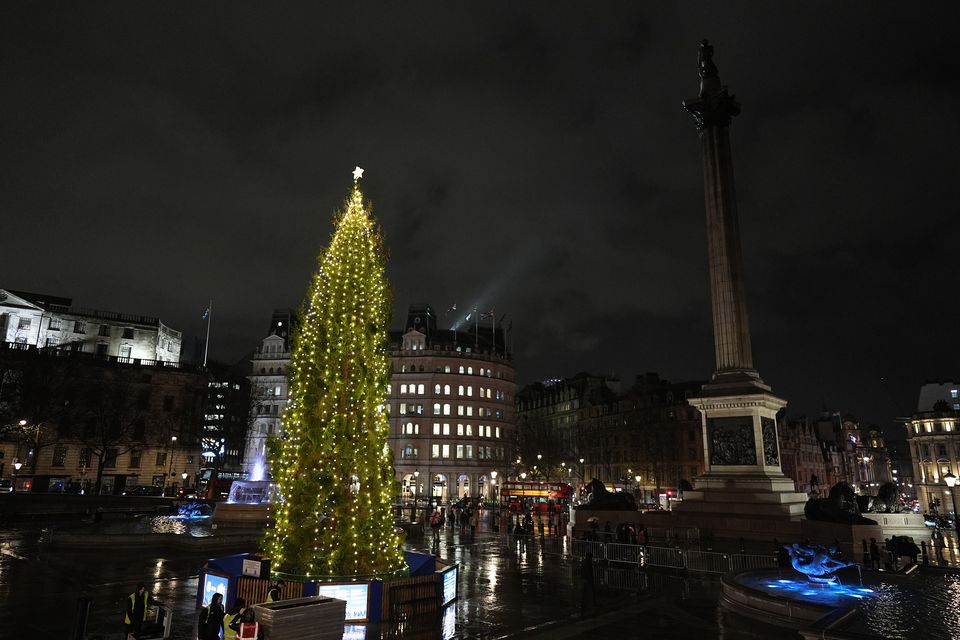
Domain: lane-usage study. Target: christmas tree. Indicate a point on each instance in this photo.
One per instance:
(333, 466)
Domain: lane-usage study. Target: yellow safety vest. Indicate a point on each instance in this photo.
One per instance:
(228, 633)
(133, 606)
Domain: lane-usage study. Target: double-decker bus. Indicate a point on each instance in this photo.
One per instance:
(214, 484)
(518, 495)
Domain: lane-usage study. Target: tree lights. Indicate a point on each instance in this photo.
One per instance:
(333, 466)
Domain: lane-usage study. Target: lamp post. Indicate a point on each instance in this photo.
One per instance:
(637, 479)
(173, 442)
(580, 488)
(16, 468)
(184, 476)
(951, 481)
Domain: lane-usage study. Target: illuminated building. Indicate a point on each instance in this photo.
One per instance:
(451, 405)
(934, 444)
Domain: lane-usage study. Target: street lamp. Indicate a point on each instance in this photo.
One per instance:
(523, 475)
(951, 481)
(416, 495)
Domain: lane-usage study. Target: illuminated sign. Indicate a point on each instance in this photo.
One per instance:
(355, 594)
(449, 585)
(214, 584)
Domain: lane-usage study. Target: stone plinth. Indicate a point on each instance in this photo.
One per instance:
(902, 524)
(579, 524)
(848, 537)
(250, 516)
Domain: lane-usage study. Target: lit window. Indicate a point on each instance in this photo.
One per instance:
(470, 430)
(460, 429)
(469, 371)
(446, 451)
(446, 428)
(461, 368)
(436, 388)
(446, 389)
(421, 389)
(929, 427)
(403, 388)
(446, 368)
(403, 408)
(459, 410)
(436, 408)
(470, 390)
(469, 451)
(953, 393)
(389, 388)
(435, 451)
(459, 451)
(446, 409)
(497, 431)
(469, 410)
(436, 428)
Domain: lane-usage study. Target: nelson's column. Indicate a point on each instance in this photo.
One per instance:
(743, 491)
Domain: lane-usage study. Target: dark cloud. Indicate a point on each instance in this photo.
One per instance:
(534, 157)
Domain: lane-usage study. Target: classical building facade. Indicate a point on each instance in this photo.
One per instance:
(933, 439)
(804, 458)
(648, 431)
(269, 392)
(75, 418)
(451, 407)
(50, 321)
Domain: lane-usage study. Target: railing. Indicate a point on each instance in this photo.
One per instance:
(616, 555)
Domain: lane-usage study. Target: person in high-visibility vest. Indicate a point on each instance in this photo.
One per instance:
(233, 614)
(136, 609)
(276, 591)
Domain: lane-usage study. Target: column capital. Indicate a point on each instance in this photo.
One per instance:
(715, 110)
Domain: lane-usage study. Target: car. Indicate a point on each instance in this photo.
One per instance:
(144, 490)
(6, 485)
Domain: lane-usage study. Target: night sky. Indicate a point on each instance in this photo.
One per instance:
(534, 158)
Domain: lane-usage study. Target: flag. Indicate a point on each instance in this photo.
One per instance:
(486, 315)
(206, 313)
(452, 308)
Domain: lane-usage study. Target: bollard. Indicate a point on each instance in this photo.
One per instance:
(78, 630)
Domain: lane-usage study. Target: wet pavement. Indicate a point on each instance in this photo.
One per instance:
(508, 588)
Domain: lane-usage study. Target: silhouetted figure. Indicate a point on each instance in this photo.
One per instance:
(587, 590)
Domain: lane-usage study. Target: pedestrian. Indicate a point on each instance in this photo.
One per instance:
(874, 555)
(474, 521)
(136, 609)
(607, 532)
(436, 522)
(231, 619)
(587, 591)
(275, 593)
(540, 526)
(211, 619)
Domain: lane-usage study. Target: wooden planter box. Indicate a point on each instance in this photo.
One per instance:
(304, 618)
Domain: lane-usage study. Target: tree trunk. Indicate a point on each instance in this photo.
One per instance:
(100, 463)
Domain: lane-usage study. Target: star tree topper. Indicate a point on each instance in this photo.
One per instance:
(357, 174)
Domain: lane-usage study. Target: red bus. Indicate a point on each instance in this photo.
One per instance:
(518, 495)
(214, 484)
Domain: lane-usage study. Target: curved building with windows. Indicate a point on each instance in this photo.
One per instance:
(451, 407)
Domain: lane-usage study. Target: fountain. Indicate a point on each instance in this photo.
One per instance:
(248, 502)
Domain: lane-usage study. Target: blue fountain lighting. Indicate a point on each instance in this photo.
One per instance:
(192, 511)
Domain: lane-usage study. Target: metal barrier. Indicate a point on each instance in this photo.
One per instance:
(669, 557)
(741, 561)
(707, 561)
(663, 557)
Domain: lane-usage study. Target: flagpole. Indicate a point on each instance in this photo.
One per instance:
(206, 345)
(493, 316)
(476, 324)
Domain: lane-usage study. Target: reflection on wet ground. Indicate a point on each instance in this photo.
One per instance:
(507, 587)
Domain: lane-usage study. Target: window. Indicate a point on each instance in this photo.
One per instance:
(436, 408)
(446, 409)
(459, 409)
(446, 451)
(469, 371)
(469, 449)
(421, 389)
(436, 428)
(470, 430)
(953, 393)
(53, 341)
(161, 458)
(459, 451)
(110, 458)
(446, 389)
(84, 457)
(470, 390)
(460, 429)
(128, 333)
(79, 327)
(942, 450)
(446, 368)
(461, 369)
(104, 331)
(135, 456)
(403, 388)
(59, 456)
(446, 428)
(24, 323)
(469, 410)
(436, 389)
(496, 431)
(435, 451)
(411, 429)
(460, 390)
(56, 323)
(928, 427)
